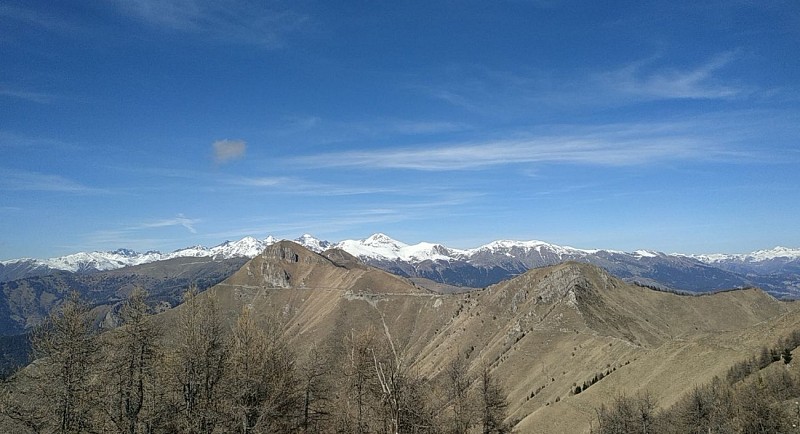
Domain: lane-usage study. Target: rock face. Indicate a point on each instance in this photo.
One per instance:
(273, 273)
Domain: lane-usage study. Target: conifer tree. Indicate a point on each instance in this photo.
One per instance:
(199, 362)
(68, 353)
(493, 404)
(133, 355)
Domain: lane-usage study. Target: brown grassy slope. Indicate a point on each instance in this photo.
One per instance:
(542, 332)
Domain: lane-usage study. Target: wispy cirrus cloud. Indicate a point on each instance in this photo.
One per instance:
(11, 140)
(319, 130)
(26, 95)
(304, 187)
(264, 181)
(139, 235)
(261, 23)
(16, 180)
(179, 220)
(644, 80)
(495, 93)
(36, 18)
(620, 145)
(331, 221)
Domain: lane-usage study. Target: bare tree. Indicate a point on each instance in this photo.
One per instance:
(132, 357)
(260, 387)
(199, 363)
(493, 403)
(404, 396)
(68, 352)
(389, 373)
(627, 415)
(461, 401)
(315, 375)
(359, 382)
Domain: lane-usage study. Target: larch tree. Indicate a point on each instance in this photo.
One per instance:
(132, 358)
(493, 403)
(67, 353)
(260, 387)
(461, 401)
(199, 362)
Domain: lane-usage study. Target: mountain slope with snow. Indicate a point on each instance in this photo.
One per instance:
(761, 262)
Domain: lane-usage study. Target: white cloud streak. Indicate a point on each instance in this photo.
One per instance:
(180, 220)
(303, 187)
(226, 20)
(26, 95)
(693, 83)
(502, 94)
(337, 220)
(131, 236)
(14, 180)
(37, 19)
(13, 140)
(626, 146)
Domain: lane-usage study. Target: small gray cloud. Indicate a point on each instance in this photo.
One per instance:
(228, 150)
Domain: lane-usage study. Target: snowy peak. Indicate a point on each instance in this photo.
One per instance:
(246, 247)
(775, 253)
(313, 243)
(104, 261)
(510, 247)
(779, 252)
(380, 240)
(382, 247)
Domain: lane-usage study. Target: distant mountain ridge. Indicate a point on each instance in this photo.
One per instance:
(776, 270)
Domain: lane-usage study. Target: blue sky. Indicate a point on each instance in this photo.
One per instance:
(158, 124)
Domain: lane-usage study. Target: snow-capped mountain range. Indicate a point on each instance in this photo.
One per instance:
(477, 267)
(376, 247)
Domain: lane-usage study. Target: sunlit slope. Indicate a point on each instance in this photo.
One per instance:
(542, 333)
